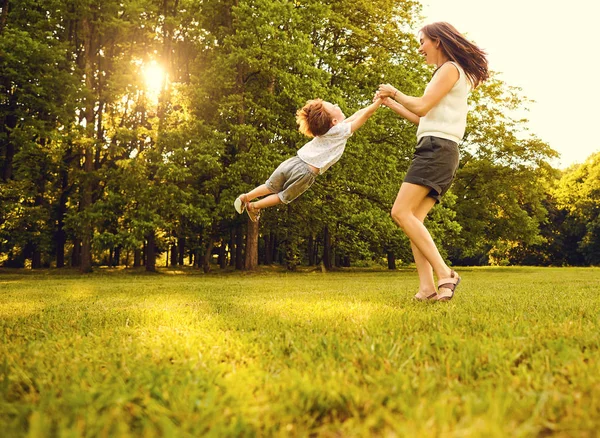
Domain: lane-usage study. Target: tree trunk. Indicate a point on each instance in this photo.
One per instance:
(86, 203)
(137, 258)
(232, 247)
(60, 239)
(239, 248)
(391, 260)
(36, 258)
(61, 236)
(99, 132)
(274, 246)
(222, 255)
(174, 255)
(251, 256)
(311, 250)
(117, 257)
(279, 254)
(208, 256)
(151, 252)
(9, 123)
(326, 248)
(88, 166)
(76, 254)
(181, 250)
(196, 258)
(268, 248)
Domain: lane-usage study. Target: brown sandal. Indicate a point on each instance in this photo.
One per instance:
(253, 212)
(447, 286)
(420, 296)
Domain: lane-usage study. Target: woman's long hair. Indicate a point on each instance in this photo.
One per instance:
(458, 49)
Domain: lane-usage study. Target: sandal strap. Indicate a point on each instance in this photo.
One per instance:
(253, 213)
(421, 296)
(454, 279)
(446, 294)
(447, 286)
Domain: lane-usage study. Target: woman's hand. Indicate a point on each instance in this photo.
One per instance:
(387, 101)
(387, 90)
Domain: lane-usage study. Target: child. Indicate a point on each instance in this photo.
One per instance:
(331, 129)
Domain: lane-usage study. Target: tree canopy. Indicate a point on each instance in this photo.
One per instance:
(129, 127)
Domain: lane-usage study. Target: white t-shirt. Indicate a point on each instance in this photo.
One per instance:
(325, 150)
(448, 119)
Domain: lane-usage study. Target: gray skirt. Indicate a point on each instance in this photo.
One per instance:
(434, 165)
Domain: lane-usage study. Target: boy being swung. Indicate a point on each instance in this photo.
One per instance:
(331, 129)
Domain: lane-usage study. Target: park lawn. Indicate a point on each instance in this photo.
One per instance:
(515, 353)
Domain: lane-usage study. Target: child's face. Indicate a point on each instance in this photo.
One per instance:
(334, 111)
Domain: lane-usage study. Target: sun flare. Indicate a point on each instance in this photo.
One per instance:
(154, 77)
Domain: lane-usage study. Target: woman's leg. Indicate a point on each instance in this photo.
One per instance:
(404, 212)
(424, 269)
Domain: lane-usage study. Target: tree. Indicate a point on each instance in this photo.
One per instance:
(499, 185)
(37, 93)
(97, 161)
(578, 195)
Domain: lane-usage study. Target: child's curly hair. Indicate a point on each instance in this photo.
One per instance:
(313, 119)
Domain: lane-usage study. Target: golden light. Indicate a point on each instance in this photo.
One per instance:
(154, 77)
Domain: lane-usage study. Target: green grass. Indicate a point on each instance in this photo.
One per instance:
(516, 353)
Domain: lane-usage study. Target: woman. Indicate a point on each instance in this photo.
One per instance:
(441, 114)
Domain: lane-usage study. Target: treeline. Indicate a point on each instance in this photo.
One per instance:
(106, 162)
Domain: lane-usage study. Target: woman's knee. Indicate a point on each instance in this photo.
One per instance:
(400, 215)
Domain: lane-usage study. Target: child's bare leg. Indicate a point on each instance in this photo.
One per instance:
(259, 191)
(269, 201)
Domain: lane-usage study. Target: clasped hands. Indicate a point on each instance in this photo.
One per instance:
(385, 93)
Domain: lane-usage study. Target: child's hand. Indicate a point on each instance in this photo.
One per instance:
(386, 101)
(378, 98)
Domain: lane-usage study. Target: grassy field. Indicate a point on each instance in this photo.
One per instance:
(516, 353)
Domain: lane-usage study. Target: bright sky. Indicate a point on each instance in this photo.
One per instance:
(550, 50)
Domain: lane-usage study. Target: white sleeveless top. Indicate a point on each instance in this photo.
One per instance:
(448, 119)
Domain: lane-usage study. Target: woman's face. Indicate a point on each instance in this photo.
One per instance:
(428, 49)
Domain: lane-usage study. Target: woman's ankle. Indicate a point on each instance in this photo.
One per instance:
(427, 290)
(443, 273)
